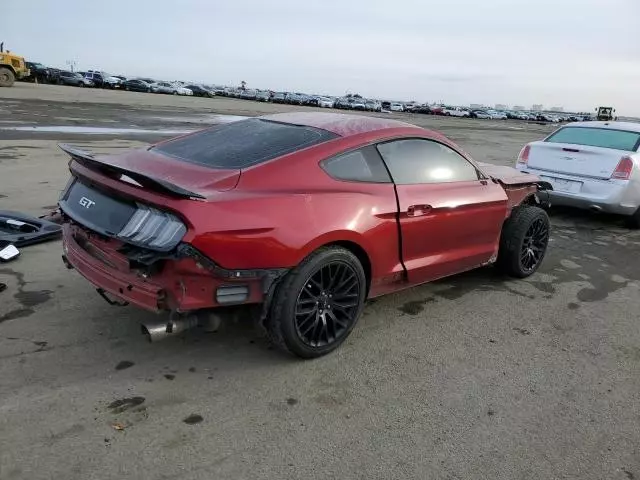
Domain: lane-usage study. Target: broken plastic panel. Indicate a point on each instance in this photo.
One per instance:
(21, 230)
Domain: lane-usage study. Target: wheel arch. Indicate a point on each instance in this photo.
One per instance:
(348, 240)
(360, 253)
(9, 67)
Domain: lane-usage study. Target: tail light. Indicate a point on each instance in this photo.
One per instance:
(153, 229)
(624, 168)
(523, 158)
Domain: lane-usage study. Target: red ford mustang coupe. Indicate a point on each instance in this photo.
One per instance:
(305, 214)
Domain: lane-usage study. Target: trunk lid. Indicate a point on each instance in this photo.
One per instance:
(578, 160)
(156, 171)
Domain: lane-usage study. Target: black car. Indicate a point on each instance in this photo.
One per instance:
(38, 72)
(279, 97)
(137, 85)
(248, 94)
(423, 109)
(263, 96)
(73, 79)
(311, 100)
(199, 91)
(294, 98)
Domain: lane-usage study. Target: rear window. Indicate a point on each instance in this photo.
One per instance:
(244, 143)
(597, 137)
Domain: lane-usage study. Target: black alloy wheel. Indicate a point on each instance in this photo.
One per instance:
(327, 304)
(524, 241)
(318, 303)
(534, 245)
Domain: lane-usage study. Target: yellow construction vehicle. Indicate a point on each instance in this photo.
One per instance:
(12, 67)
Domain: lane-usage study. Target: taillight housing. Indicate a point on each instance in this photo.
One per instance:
(153, 229)
(523, 158)
(624, 169)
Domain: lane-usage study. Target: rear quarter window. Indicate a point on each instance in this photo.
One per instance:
(362, 165)
(244, 143)
(597, 137)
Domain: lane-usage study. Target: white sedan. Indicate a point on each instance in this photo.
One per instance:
(591, 165)
(496, 115)
(180, 90)
(396, 107)
(326, 102)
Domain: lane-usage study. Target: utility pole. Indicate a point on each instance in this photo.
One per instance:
(71, 64)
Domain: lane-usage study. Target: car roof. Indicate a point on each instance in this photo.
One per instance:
(629, 126)
(339, 123)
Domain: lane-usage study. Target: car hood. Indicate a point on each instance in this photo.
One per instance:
(148, 167)
(507, 175)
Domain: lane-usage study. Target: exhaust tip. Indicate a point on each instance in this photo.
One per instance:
(145, 331)
(154, 332)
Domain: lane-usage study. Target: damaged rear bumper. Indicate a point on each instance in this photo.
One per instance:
(186, 282)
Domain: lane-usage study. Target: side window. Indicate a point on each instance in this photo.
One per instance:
(362, 165)
(423, 161)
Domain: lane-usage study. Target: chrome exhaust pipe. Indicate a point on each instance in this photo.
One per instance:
(156, 331)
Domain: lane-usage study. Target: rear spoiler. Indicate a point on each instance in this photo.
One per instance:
(90, 161)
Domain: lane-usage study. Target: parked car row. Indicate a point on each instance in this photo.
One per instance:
(101, 79)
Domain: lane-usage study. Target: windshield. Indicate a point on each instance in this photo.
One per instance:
(597, 137)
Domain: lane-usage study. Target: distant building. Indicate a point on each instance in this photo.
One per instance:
(557, 109)
(500, 106)
(476, 106)
(518, 107)
(536, 108)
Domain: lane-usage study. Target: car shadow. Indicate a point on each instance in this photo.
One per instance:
(585, 219)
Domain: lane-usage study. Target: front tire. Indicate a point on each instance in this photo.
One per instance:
(6, 77)
(318, 303)
(524, 241)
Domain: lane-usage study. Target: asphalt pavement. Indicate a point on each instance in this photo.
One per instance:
(473, 377)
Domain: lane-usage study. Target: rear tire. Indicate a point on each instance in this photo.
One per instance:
(524, 241)
(6, 77)
(318, 303)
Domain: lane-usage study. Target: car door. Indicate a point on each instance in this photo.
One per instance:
(450, 215)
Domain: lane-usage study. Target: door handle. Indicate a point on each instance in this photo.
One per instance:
(418, 210)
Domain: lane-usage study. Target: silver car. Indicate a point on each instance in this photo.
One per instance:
(591, 165)
(162, 87)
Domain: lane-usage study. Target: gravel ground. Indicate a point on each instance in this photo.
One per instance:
(476, 376)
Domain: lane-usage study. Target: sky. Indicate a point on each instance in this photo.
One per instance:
(578, 54)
